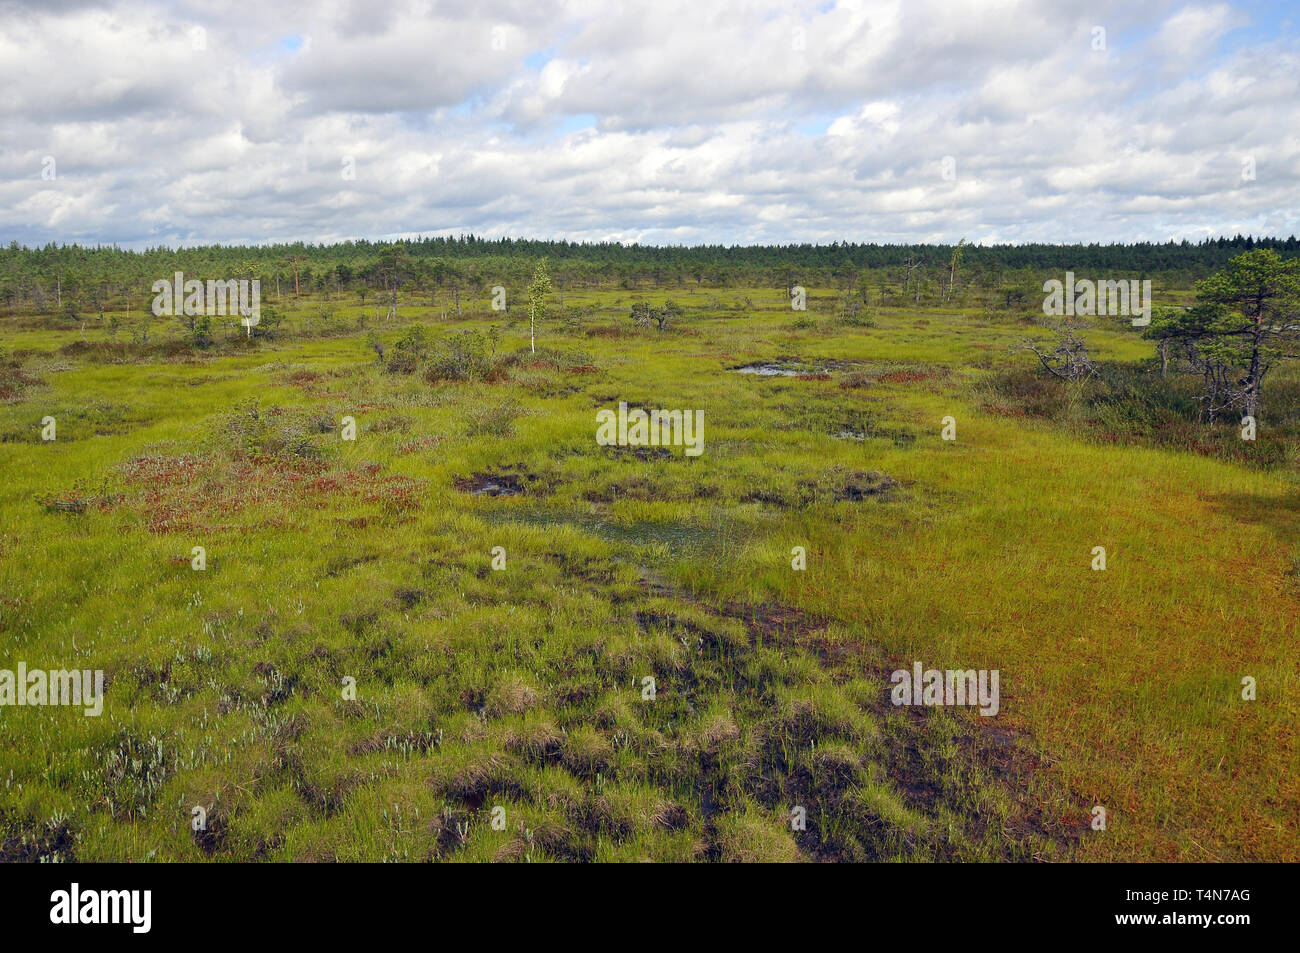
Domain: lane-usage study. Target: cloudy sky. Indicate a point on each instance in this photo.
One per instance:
(148, 123)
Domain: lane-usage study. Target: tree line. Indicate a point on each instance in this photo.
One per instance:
(57, 277)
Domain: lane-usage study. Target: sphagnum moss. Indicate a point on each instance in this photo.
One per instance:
(501, 643)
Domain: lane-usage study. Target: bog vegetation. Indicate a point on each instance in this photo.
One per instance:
(500, 586)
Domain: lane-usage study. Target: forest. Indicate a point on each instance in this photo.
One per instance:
(62, 277)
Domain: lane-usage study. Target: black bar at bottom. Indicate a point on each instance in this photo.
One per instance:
(303, 902)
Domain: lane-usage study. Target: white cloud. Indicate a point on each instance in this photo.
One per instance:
(674, 121)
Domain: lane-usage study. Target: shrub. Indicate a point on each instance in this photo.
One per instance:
(1125, 403)
(13, 379)
(1022, 392)
(497, 420)
(409, 350)
(643, 316)
(199, 333)
(552, 359)
(270, 322)
(465, 356)
(288, 437)
(858, 317)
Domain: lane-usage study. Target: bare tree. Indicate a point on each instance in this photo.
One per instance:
(1069, 359)
(952, 268)
(911, 266)
(393, 268)
(292, 261)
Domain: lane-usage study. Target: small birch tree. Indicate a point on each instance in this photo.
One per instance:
(537, 291)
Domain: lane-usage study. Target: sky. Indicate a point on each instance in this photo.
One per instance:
(706, 121)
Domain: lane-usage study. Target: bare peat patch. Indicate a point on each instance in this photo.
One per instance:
(835, 484)
(766, 370)
(512, 481)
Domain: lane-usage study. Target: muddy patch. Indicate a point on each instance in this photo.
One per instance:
(856, 485)
(512, 481)
(842, 423)
(644, 454)
(835, 484)
(767, 370)
(491, 484)
(793, 367)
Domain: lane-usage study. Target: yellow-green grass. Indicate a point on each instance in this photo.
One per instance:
(522, 689)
